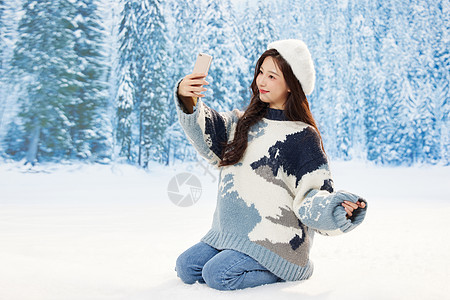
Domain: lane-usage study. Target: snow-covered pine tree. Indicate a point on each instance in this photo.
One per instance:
(125, 105)
(440, 43)
(180, 19)
(414, 134)
(376, 82)
(153, 87)
(238, 61)
(423, 76)
(142, 95)
(9, 22)
(3, 46)
(408, 93)
(45, 59)
(222, 41)
(13, 143)
(109, 11)
(370, 81)
(316, 33)
(126, 70)
(257, 31)
(390, 106)
(289, 15)
(2, 28)
(91, 130)
(181, 44)
(339, 36)
(361, 63)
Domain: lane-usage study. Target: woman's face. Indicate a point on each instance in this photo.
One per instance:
(271, 84)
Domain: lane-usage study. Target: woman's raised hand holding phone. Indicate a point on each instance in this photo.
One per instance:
(192, 85)
(190, 88)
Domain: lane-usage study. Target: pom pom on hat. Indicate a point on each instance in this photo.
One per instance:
(296, 53)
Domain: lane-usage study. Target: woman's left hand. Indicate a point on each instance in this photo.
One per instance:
(350, 206)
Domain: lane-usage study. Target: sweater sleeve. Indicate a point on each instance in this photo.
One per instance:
(315, 203)
(207, 129)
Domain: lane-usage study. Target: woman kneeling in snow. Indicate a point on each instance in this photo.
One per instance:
(275, 189)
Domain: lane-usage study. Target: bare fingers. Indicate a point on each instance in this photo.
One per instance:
(197, 90)
(361, 204)
(196, 75)
(349, 207)
(192, 85)
(191, 88)
(198, 82)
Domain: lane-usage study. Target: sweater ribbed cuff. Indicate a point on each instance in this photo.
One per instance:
(340, 215)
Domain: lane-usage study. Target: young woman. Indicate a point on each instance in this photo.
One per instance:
(275, 189)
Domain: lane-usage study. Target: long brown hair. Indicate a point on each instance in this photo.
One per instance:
(296, 108)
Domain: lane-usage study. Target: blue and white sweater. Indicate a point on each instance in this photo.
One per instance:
(270, 203)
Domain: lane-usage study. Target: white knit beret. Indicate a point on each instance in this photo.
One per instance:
(296, 53)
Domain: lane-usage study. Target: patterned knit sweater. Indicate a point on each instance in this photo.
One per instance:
(271, 202)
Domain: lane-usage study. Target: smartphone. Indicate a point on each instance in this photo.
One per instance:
(202, 64)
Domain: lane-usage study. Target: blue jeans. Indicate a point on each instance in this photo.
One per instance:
(221, 269)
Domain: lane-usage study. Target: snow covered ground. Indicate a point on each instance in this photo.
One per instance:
(111, 232)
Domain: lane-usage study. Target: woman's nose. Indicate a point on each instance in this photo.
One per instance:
(262, 80)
